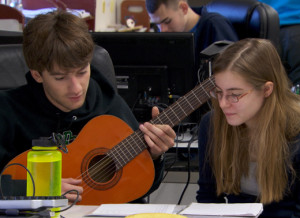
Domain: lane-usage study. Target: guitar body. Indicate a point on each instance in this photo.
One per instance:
(111, 159)
(102, 183)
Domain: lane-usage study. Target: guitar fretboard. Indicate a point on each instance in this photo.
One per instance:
(173, 115)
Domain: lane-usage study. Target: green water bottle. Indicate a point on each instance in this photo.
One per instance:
(44, 163)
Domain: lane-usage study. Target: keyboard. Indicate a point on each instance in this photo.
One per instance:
(32, 203)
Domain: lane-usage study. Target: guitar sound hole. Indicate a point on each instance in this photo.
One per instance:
(101, 168)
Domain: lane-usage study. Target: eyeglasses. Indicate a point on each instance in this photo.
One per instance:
(232, 98)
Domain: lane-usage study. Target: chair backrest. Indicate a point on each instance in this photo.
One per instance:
(11, 19)
(13, 66)
(136, 9)
(250, 18)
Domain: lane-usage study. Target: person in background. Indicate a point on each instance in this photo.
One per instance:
(178, 16)
(61, 96)
(289, 17)
(249, 143)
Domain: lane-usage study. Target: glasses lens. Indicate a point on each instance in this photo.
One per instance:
(233, 99)
(213, 93)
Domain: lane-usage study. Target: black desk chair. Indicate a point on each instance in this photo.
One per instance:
(13, 66)
(250, 18)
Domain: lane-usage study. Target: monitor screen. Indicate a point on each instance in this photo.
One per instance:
(11, 37)
(151, 68)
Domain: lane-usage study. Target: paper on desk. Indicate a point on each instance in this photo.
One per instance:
(129, 209)
(244, 210)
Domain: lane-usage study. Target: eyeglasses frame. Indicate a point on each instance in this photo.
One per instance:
(227, 96)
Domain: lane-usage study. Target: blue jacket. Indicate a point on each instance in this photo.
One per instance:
(288, 207)
(211, 27)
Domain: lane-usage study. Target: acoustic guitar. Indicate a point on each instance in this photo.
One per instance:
(111, 159)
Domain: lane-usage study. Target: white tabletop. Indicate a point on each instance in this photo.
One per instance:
(79, 211)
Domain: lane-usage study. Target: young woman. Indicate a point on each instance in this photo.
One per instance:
(249, 143)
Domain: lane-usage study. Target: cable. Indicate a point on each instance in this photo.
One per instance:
(176, 152)
(18, 164)
(76, 200)
(177, 141)
(189, 170)
(43, 212)
(202, 73)
(136, 101)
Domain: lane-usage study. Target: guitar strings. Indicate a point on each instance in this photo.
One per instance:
(104, 168)
(108, 167)
(112, 164)
(175, 114)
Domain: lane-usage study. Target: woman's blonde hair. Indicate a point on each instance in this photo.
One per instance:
(257, 61)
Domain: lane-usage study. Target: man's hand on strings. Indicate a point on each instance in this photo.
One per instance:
(159, 137)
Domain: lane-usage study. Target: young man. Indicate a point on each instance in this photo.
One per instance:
(178, 16)
(61, 96)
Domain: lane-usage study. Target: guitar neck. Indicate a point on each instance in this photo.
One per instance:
(173, 115)
(185, 105)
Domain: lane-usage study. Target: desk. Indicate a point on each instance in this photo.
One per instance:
(79, 211)
(83, 210)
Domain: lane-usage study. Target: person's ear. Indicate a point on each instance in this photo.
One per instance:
(183, 6)
(36, 76)
(268, 88)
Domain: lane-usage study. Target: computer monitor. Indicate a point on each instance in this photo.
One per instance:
(11, 37)
(151, 68)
